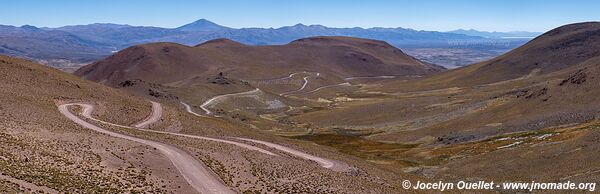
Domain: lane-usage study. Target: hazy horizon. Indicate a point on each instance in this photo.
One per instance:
(501, 16)
(466, 29)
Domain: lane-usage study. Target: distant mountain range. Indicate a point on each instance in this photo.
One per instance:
(203, 30)
(485, 34)
(73, 45)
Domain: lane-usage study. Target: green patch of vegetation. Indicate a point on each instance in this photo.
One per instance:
(520, 135)
(366, 95)
(593, 126)
(540, 132)
(363, 148)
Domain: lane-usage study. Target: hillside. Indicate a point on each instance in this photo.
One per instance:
(367, 104)
(46, 151)
(552, 51)
(541, 84)
(41, 146)
(339, 57)
(555, 50)
(532, 106)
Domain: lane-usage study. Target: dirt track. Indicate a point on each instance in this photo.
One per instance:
(216, 99)
(194, 172)
(153, 118)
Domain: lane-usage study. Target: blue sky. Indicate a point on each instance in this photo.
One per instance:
(440, 15)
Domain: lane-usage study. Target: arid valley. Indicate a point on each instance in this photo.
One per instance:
(338, 110)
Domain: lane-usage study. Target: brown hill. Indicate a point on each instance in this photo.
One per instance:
(43, 150)
(555, 50)
(334, 56)
(37, 140)
(521, 114)
(565, 63)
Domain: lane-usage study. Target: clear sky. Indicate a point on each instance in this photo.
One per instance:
(440, 15)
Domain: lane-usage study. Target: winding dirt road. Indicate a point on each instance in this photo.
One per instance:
(88, 114)
(298, 90)
(216, 99)
(194, 172)
(292, 75)
(323, 162)
(304, 84)
(188, 108)
(153, 118)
